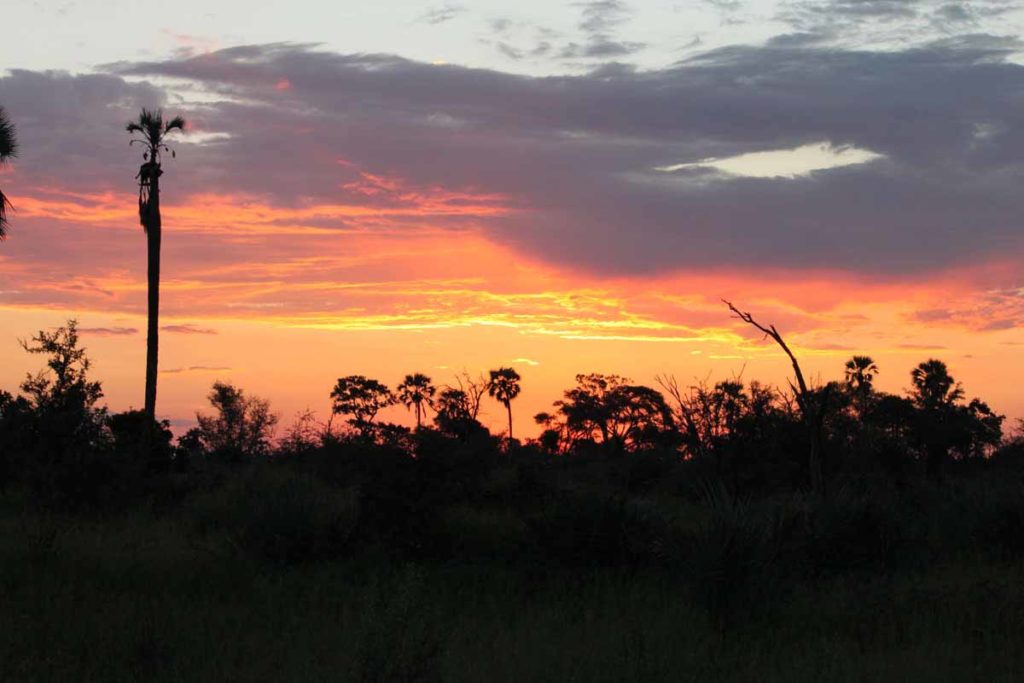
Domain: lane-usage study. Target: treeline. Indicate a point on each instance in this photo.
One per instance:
(750, 438)
(710, 481)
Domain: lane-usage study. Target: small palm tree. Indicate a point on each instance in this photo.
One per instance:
(860, 374)
(8, 149)
(504, 386)
(934, 387)
(151, 131)
(417, 392)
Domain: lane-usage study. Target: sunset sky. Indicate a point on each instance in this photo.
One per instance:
(560, 187)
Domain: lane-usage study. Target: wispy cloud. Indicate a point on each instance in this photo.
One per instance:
(108, 331)
(195, 368)
(439, 15)
(188, 329)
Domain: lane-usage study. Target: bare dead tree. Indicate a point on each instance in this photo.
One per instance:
(475, 389)
(686, 406)
(770, 331)
(812, 405)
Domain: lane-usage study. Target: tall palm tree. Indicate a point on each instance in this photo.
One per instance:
(417, 392)
(860, 374)
(504, 386)
(150, 130)
(8, 149)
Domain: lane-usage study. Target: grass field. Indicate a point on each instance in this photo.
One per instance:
(145, 598)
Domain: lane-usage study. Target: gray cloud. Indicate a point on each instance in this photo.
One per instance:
(575, 155)
(601, 16)
(890, 21)
(598, 21)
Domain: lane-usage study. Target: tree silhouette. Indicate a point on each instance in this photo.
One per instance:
(242, 427)
(474, 389)
(610, 410)
(362, 398)
(8, 149)
(453, 404)
(455, 413)
(66, 385)
(860, 374)
(504, 386)
(813, 403)
(936, 394)
(417, 392)
(150, 131)
(934, 387)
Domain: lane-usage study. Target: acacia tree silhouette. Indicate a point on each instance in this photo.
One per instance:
(416, 391)
(504, 386)
(362, 398)
(151, 131)
(8, 149)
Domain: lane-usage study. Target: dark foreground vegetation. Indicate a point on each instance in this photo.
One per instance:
(701, 533)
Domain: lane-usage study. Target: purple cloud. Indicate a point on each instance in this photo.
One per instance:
(576, 155)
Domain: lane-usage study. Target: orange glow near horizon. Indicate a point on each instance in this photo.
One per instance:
(283, 300)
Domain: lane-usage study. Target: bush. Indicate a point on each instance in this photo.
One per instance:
(469, 532)
(593, 529)
(400, 643)
(730, 556)
(277, 514)
(851, 532)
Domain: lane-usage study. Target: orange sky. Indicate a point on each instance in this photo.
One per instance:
(264, 297)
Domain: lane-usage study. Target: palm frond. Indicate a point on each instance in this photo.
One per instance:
(8, 142)
(152, 128)
(177, 123)
(150, 124)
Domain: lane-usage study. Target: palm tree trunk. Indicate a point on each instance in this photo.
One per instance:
(153, 227)
(508, 406)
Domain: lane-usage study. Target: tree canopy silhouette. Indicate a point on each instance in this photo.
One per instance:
(362, 398)
(455, 413)
(242, 426)
(151, 131)
(609, 409)
(66, 384)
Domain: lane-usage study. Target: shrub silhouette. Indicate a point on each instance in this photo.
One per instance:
(242, 427)
(275, 513)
